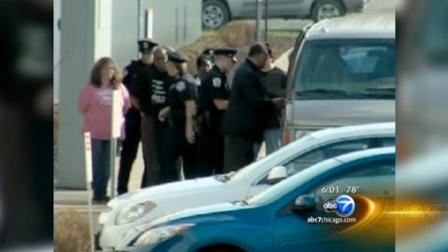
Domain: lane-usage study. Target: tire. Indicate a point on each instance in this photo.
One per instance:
(214, 14)
(325, 9)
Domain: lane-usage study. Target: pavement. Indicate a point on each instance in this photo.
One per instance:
(78, 199)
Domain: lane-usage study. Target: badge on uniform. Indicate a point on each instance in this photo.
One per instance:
(180, 86)
(216, 82)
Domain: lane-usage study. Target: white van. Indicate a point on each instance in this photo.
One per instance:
(342, 73)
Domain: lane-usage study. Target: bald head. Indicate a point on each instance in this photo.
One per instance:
(160, 58)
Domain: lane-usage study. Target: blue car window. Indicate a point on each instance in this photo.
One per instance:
(329, 151)
(388, 142)
(319, 154)
(375, 179)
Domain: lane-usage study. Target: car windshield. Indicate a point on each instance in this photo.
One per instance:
(249, 169)
(346, 69)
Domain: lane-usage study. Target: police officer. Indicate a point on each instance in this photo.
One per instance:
(204, 64)
(213, 102)
(133, 120)
(180, 139)
(243, 121)
(152, 97)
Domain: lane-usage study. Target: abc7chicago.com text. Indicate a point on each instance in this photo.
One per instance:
(331, 220)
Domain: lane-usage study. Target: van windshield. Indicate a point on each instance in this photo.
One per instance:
(346, 69)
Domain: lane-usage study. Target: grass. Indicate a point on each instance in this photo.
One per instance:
(209, 33)
(271, 33)
(283, 33)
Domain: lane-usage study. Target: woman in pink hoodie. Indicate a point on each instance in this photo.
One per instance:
(95, 104)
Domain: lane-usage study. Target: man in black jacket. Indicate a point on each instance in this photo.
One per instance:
(133, 120)
(152, 95)
(243, 121)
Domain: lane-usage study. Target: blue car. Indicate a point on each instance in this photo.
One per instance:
(336, 204)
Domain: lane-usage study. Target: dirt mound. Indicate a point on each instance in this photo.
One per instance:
(235, 34)
(71, 231)
(238, 34)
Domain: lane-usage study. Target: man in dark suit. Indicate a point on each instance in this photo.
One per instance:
(244, 118)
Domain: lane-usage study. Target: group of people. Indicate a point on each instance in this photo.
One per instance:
(198, 126)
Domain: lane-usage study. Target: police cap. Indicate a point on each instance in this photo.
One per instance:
(176, 57)
(146, 45)
(203, 59)
(230, 52)
(208, 51)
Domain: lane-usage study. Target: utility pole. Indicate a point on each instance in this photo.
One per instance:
(139, 23)
(258, 21)
(266, 11)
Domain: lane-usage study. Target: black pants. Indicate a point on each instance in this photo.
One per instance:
(210, 152)
(128, 152)
(174, 148)
(239, 152)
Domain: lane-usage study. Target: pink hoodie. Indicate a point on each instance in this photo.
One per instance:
(95, 104)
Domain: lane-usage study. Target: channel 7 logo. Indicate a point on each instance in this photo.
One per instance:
(343, 206)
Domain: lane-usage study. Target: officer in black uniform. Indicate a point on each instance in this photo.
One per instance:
(213, 102)
(180, 139)
(204, 64)
(133, 120)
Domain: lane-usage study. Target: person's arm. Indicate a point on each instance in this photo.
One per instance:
(187, 94)
(84, 101)
(134, 102)
(221, 104)
(142, 92)
(218, 93)
(163, 113)
(126, 99)
(283, 81)
(190, 111)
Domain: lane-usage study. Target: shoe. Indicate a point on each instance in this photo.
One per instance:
(100, 200)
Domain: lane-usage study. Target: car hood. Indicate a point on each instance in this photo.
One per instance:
(172, 189)
(209, 211)
(328, 113)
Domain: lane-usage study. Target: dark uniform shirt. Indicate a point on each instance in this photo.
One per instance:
(248, 102)
(130, 80)
(131, 72)
(181, 90)
(214, 87)
(152, 90)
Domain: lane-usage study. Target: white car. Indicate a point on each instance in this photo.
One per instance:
(129, 210)
(282, 211)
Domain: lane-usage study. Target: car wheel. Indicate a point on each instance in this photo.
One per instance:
(214, 14)
(326, 9)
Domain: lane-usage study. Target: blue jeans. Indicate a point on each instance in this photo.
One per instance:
(273, 140)
(101, 166)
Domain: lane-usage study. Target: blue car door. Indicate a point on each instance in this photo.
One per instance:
(318, 228)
